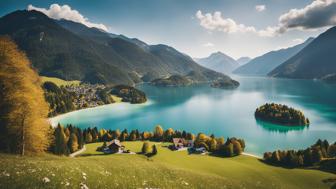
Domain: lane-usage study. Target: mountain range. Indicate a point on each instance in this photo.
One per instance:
(262, 65)
(316, 61)
(72, 51)
(219, 62)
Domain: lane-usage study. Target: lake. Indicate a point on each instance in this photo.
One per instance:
(225, 113)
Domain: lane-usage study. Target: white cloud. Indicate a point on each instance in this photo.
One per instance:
(260, 8)
(208, 44)
(58, 12)
(215, 22)
(318, 14)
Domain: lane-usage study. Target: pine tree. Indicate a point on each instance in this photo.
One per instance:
(88, 137)
(80, 138)
(73, 143)
(61, 147)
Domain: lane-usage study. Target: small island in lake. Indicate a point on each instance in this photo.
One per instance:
(281, 114)
(129, 94)
(172, 81)
(225, 84)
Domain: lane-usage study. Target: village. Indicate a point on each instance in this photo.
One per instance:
(86, 95)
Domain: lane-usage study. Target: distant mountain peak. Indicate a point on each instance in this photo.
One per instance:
(219, 62)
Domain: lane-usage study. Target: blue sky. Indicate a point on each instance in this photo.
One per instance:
(175, 23)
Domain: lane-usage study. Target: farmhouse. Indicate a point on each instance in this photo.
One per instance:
(179, 143)
(114, 146)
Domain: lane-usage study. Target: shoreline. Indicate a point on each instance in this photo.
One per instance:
(52, 122)
(50, 119)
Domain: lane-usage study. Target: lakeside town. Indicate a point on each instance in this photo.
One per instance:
(86, 95)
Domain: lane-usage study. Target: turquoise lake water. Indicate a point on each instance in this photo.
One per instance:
(225, 113)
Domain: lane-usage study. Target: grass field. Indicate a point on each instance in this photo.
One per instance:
(116, 99)
(59, 82)
(167, 169)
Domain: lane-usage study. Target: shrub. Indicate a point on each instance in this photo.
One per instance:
(146, 149)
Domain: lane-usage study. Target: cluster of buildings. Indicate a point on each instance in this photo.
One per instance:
(86, 95)
(114, 146)
(184, 144)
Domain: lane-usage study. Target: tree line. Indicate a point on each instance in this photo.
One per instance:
(70, 138)
(302, 158)
(67, 140)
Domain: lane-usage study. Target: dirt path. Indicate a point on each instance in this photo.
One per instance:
(78, 152)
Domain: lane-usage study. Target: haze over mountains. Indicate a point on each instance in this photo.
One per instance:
(243, 60)
(219, 62)
(316, 61)
(72, 51)
(262, 65)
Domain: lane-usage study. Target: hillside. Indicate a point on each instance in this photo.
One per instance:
(315, 61)
(72, 51)
(56, 52)
(265, 63)
(219, 62)
(167, 169)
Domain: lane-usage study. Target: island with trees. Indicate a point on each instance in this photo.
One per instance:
(225, 84)
(281, 114)
(172, 81)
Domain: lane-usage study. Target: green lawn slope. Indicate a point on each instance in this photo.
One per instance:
(167, 169)
(59, 82)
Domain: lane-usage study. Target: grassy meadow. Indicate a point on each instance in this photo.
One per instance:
(59, 82)
(167, 169)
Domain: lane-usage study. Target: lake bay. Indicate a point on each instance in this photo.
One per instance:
(228, 113)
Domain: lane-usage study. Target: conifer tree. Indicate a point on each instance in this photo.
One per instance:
(73, 143)
(61, 147)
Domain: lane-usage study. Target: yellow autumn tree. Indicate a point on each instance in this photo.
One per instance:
(23, 114)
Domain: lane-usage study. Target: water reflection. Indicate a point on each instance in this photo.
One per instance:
(279, 128)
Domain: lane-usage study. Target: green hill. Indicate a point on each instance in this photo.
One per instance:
(265, 63)
(167, 169)
(315, 61)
